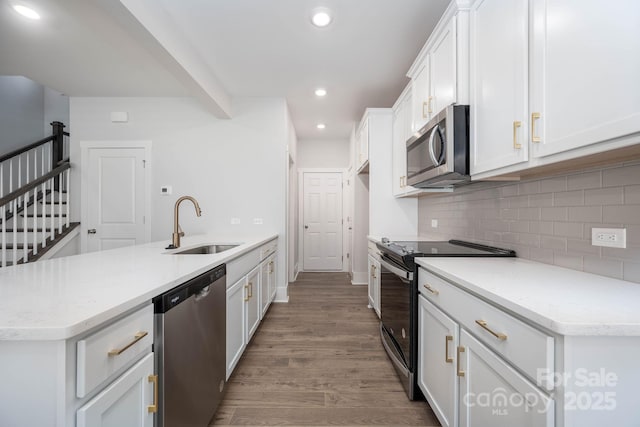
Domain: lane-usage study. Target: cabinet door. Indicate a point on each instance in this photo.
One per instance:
(236, 323)
(437, 342)
(420, 91)
(273, 285)
(371, 288)
(364, 142)
(585, 68)
(124, 402)
(399, 151)
(265, 295)
(442, 62)
(493, 394)
(252, 303)
(499, 76)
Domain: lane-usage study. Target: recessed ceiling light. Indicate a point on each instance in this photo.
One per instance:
(26, 11)
(321, 126)
(321, 17)
(321, 92)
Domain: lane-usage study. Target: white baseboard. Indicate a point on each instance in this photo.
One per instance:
(360, 278)
(281, 294)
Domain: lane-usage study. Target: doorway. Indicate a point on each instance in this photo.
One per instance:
(321, 221)
(115, 181)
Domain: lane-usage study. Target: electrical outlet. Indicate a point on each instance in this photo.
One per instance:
(257, 221)
(235, 221)
(434, 223)
(609, 237)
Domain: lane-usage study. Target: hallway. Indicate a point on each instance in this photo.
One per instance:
(318, 361)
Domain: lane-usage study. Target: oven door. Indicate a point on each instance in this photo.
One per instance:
(395, 310)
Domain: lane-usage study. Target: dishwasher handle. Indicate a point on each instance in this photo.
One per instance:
(203, 293)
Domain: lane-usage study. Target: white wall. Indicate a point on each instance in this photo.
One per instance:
(21, 112)
(234, 168)
(56, 109)
(323, 153)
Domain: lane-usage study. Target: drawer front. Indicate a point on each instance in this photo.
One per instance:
(238, 267)
(372, 246)
(106, 351)
(528, 348)
(268, 248)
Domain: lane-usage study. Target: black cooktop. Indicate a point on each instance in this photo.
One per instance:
(405, 251)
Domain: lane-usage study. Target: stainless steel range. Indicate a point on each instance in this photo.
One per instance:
(399, 298)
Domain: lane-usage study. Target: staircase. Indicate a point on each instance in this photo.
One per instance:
(34, 217)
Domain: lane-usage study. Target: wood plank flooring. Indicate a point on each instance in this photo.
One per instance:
(318, 361)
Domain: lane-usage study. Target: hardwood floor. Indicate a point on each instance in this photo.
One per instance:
(318, 361)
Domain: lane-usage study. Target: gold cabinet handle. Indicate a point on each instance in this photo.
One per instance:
(534, 117)
(483, 325)
(425, 115)
(447, 339)
(429, 104)
(250, 290)
(460, 371)
(137, 337)
(152, 409)
(516, 125)
(401, 181)
(247, 293)
(430, 289)
(271, 267)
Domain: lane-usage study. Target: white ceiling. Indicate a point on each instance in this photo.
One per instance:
(251, 47)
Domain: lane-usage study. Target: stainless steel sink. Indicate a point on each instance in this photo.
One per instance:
(206, 249)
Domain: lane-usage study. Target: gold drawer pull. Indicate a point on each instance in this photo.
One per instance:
(516, 125)
(483, 324)
(425, 115)
(447, 359)
(152, 409)
(534, 117)
(460, 371)
(248, 296)
(137, 337)
(250, 290)
(430, 289)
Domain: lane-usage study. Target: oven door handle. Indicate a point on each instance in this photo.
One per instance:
(407, 276)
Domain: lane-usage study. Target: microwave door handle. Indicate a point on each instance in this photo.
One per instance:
(432, 153)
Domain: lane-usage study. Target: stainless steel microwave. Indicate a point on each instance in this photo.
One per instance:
(438, 154)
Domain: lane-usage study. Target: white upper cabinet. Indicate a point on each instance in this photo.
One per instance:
(499, 76)
(442, 67)
(585, 67)
(578, 63)
(439, 75)
(362, 146)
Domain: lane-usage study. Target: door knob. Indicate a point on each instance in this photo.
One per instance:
(306, 226)
(91, 231)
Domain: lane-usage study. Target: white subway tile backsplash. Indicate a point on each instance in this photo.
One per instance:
(569, 198)
(585, 180)
(554, 214)
(547, 220)
(585, 213)
(604, 196)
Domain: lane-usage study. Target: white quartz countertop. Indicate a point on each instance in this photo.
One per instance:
(60, 298)
(564, 301)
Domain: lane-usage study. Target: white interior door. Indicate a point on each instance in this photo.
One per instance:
(322, 221)
(116, 197)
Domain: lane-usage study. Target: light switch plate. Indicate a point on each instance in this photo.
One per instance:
(609, 237)
(257, 221)
(235, 221)
(434, 223)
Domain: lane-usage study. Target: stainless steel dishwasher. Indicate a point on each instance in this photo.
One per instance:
(190, 350)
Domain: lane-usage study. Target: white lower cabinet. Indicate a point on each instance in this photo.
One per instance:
(494, 394)
(236, 322)
(128, 401)
(249, 297)
(437, 344)
(374, 284)
(252, 299)
(478, 381)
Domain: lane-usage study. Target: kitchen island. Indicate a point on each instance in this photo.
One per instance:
(54, 313)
